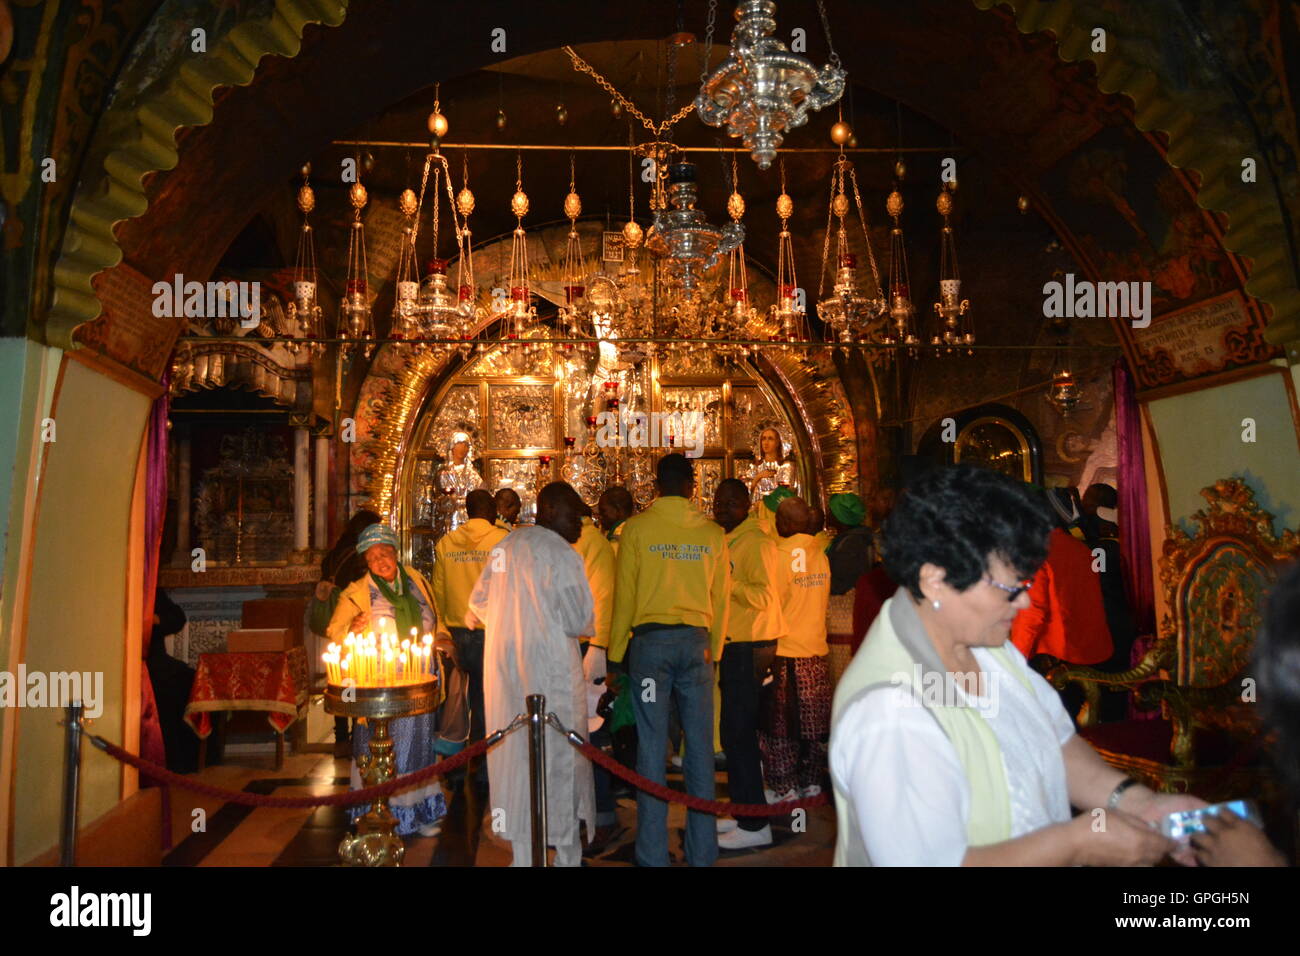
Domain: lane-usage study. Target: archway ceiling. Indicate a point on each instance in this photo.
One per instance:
(1007, 101)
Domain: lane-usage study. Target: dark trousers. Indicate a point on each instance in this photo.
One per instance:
(469, 658)
(606, 805)
(741, 671)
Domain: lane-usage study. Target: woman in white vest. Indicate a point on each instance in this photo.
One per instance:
(946, 748)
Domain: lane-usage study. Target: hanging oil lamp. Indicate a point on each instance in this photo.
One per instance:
(850, 313)
(354, 314)
(303, 312)
(953, 311)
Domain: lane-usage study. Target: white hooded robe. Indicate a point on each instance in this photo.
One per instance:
(534, 602)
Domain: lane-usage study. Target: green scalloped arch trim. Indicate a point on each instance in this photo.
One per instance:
(90, 245)
(1256, 230)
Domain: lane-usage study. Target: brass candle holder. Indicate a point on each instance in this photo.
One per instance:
(376, 842)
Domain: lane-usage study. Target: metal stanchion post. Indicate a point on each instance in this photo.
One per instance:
(537, 774)
(71, 784)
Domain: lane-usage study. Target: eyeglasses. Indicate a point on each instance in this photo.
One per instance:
(1012, 592)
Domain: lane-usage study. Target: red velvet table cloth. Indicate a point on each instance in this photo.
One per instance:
(273, 681)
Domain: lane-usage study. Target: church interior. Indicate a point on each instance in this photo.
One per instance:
(271, 263)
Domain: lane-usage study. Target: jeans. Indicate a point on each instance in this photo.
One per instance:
(469, 658)
(742, 669)
(664, 666)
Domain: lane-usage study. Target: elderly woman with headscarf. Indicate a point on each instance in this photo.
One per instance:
(393, 595)
(946, 748)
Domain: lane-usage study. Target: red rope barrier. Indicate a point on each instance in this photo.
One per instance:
(365, 795)
(716, 807)
(368, 794)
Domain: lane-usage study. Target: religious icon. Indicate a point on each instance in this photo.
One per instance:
(772, 466)
(456, 479)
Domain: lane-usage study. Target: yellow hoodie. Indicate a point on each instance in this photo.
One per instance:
(755, 611)
(804, 589)
(673, 568)
(598, 559)
(459, 559)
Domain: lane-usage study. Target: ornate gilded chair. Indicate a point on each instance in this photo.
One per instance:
(1197, 672)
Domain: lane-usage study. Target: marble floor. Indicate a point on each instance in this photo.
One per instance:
(207, 832)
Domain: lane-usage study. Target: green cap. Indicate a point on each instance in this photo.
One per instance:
(848, 509)
(773, 500)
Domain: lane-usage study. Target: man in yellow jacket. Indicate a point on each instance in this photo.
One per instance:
(755, 623)
(670, 593)
(795, 736)
(459, 559)
(613, 508)
(598, 561)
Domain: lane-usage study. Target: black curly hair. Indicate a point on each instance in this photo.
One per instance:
(1277, 665)
(956, 518)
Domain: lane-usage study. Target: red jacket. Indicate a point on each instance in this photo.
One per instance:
(1066, 617)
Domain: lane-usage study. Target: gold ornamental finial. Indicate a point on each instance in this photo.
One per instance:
(306, 198)
(407, 203)
(944, 203)
(784, 204)
(519, 201)
(632, 234)
(894, 204)
(358, 196)
(736, 206)
(572, 202)
(464, 198)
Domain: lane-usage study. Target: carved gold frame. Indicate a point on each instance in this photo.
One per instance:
(811, 395)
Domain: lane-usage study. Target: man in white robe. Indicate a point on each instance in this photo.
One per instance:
(534, 602)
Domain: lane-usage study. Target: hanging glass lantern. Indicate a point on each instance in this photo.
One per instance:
(406, 302)
(851, 314)
(303, 313)
(1063, 391)
(518, 311)
(902, 314)
(788, 312)
(957, 327)
(354, 314)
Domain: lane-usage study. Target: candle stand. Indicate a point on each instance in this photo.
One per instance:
(376, 842)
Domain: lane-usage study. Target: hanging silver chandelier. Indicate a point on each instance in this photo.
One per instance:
(683, 237)
(762, 89)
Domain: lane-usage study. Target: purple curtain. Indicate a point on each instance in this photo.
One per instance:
(155, 511)
(1134, 529)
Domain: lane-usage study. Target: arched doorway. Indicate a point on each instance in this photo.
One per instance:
(528, 424)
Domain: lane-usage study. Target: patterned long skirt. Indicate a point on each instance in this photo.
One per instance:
(412, 751)
(796, 724)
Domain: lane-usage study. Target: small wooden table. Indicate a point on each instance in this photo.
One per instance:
(270, 681)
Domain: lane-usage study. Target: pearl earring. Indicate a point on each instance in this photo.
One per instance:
(935, 604)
